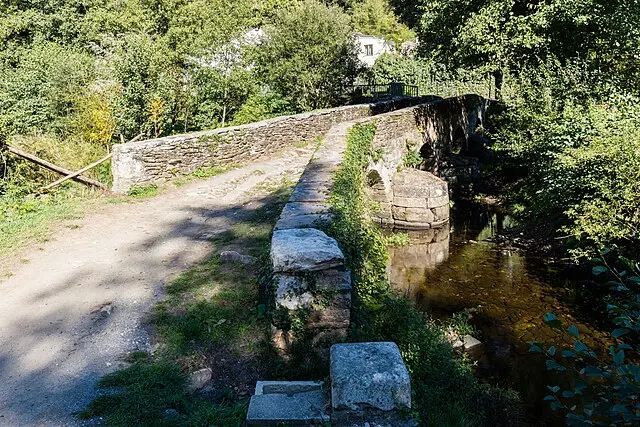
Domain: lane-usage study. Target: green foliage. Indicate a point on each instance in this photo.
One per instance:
(581, 156)
(445, 390)
(413, 159)
(430, 77)
(375, 17)
(37, 92)
(604, 391)
(309, 55)
(260, 106)
(511, 36)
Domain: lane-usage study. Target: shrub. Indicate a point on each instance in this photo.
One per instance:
(603, 392)
(581, 157)
(309, 55)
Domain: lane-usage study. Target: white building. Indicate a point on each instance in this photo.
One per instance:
(371, 47)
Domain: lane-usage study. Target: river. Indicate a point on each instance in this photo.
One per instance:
(504, 292)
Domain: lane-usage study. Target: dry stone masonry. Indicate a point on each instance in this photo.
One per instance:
(311, 282)
(370, 384)
(158, 160)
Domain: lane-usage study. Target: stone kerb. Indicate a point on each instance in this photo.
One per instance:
(310, 278)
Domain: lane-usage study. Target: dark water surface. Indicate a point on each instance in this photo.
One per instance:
(506, 293)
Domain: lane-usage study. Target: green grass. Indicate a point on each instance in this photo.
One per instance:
(212, 317)
(143, 191)
(209, 172)
(446, 392)
(30, 220)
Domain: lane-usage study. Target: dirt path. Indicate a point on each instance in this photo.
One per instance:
(70, 313)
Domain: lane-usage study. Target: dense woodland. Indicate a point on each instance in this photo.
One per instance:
(77, 76)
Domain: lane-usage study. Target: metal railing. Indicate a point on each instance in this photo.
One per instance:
(381, 91)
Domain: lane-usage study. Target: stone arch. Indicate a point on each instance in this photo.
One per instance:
(378, 184)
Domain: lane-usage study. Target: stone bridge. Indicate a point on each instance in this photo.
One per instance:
(310, 276)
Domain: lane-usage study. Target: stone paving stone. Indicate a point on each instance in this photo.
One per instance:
(287, 387)
(302, 221)
(300, 408)
(304, 208)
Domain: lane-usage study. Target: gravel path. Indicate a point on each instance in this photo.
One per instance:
(69, 313)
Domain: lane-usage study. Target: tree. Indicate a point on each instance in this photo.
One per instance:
(508, 35)
(309, 55)
(375, 17)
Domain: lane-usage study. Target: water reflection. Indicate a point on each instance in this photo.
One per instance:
(454, 269)
(410, 263)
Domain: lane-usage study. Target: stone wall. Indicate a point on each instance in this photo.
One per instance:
(158, 160)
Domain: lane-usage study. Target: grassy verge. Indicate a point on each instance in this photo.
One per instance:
(446, 393)
(211, 318)
(25, 220)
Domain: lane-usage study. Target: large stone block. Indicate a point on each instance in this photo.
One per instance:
(291, 292)
(421, 215)
(329, 318)
(435, 202)
(333, 280)
(304, 208)
(302, 221)
(310, 192)
(410, 202)
(304, 250)
(367, 376)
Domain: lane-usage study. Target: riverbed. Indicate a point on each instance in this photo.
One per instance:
(504, 293)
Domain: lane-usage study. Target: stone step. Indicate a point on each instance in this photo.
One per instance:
(291, 403)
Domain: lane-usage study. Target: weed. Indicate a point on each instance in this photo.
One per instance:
(141, 191)
(211, 171)
(397, 239)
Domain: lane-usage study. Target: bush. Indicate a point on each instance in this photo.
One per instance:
(38, 93)
(581, 156)
(602, 392)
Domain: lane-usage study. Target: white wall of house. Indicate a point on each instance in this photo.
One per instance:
(371, 47)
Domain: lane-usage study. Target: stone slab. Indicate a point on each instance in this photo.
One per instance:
(304, 208)
(302, 221)
(304, 250)
(369, 375)
(410, 202)
(310, 192)
(435, 202)
(334, 280)
(303, 408)
(329, 318)
(315, 175)
(291, 293)
(287, 387)
(421, 215)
